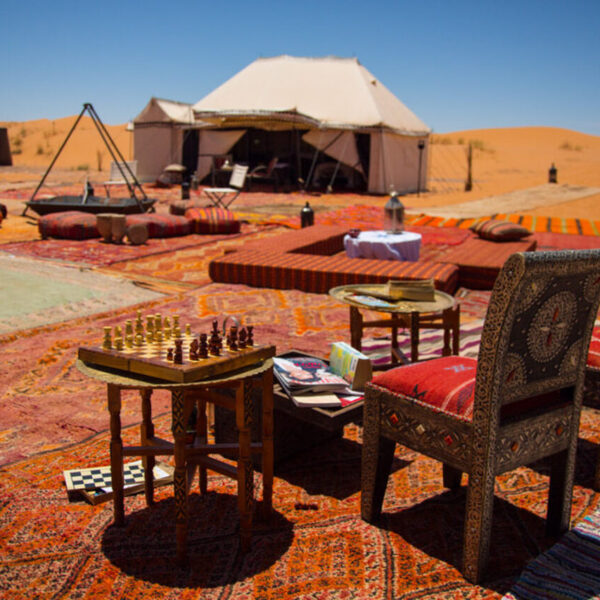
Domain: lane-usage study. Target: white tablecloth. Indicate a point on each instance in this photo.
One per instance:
(383, 245)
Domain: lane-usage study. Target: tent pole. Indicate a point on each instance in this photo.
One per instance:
(37, 189)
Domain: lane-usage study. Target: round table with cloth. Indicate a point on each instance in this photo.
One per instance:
(383, 245)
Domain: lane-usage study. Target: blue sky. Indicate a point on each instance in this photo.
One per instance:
(456, 64)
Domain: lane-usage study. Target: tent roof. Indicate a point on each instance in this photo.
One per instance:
(159, 110)
(326, 92)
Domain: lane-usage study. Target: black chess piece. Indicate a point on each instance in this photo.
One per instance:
(250, 340)
(178, 354)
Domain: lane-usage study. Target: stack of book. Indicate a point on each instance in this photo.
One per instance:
(309, 382)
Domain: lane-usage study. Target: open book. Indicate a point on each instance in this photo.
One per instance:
(308, 381)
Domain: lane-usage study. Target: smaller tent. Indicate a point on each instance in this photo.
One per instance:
(159, 136)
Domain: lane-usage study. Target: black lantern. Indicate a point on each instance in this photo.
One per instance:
(552, 178)
(307, 216)
(393, 214)
(420, 145)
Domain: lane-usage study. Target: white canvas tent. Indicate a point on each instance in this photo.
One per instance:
(328, 101)
(158, 133)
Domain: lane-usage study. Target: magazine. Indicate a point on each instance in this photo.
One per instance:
(307, 374)
(309, 382)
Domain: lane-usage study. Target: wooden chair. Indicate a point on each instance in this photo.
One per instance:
(591, 390)
(519, 402)
(265, 174)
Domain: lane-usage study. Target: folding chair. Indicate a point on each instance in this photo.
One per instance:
(219, 196)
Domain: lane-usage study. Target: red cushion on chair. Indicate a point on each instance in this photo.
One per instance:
(593, 358)
(161, 225)
(446, 384)
(212, 220)
(69, 224)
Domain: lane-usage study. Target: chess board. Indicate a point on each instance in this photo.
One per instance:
(95, 483)
(155, 359)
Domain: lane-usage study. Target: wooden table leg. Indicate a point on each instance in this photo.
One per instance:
(178, 425)
(267, 442)
(116, 452)
(146, 433)
(414, 336)
(245, 474)
(356, 327)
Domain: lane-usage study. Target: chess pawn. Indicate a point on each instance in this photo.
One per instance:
(203, 348)
(107, 342)
(128, 328)
(188, 329)
(158, 324)
(118, 337)
(139, 325)
(158, 337)
(150, 323)
(119, 344)
(129, 341)
(250, 340)
(139, 340)
(175, 321)
(242, 339)
(178, 355)
(170, 354)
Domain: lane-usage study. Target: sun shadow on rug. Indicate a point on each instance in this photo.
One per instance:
(145, 547)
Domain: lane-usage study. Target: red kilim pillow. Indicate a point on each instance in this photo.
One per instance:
(212, 220)
(161, 225)
(70, 225)
(500, 231)
(444, 384)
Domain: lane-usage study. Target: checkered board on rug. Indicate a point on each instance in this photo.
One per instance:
(95, 483)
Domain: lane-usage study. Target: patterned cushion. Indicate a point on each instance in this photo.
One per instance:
(161, 225)
(70, 224)
(444, 384)
(212, 220)
(499, 231)
(3, 212)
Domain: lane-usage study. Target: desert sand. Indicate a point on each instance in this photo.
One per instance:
(509, 167)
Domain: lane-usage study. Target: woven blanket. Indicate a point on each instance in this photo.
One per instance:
(570, 570)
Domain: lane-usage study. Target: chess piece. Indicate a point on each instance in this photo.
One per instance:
(139, 325)
(128, 328)
(178, 354)
(242, 339)
(170, 354)
(188, 329)
(158, 323)
(119, 344)
(118, 335)
(203, 348)
(250, 341)
(158, 337)
(129, 341)
(107, 342)
(139, 339)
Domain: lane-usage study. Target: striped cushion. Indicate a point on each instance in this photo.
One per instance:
(499, 231)
(318, 239)
(212, 220)
(70, 225)
(444, 384)
(318, 274)
(479, 261)
(161, 225)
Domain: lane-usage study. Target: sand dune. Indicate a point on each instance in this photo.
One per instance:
(504, 161)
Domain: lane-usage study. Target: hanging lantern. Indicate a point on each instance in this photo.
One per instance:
(393, 214)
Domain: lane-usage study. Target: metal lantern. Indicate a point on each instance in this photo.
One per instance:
(393, 214)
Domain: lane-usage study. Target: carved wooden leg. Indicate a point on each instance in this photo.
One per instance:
(377, 456)
(202, 437)
(245, 473)
(478, 522)
(558, 516)
(267, 442)
(146, 433)
(178, 425)
(116, 452)
(596, 484)
(452, 477)
(456, 330)
(414, 336)
(356, 327)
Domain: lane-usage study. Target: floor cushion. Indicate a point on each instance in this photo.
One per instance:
(212, 220)
(161, 225)
(70, 225)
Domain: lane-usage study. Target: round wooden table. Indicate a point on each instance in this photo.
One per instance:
(191, 454)
(441, 313)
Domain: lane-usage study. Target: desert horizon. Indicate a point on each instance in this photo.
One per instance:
(504, 160)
